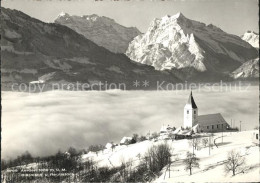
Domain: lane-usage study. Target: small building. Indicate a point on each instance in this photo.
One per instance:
(109, 145)
(165, 132)
(125, 140)
(166, 129)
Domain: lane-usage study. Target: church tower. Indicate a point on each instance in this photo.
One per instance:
(190, 113)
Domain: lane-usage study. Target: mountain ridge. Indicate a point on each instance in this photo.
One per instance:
(32, 49)
(101, 30)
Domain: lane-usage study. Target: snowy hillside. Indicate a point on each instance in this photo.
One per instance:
(249, 69)
(212, 166)
(211, 163)
(252, 38)
(178, 42)
(101, 30)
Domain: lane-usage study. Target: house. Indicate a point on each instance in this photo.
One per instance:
(202, 123)
(125, 140)
(109, 145)
(165, 132)
(165, 129)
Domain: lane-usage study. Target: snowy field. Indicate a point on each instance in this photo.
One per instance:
(42, 123)
(211, 164)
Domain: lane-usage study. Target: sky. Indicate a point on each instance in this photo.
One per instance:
(232, 16)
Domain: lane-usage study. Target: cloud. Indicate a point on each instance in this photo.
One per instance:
(45, 122)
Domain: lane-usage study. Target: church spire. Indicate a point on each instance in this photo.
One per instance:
(192, 102)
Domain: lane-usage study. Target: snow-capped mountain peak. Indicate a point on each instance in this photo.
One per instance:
(176, 42)
(252, 38)
(62, 14)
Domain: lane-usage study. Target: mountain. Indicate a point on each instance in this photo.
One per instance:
(101, 30)
(34, 50)
(248, 70)
(252, 38)
(190, 48)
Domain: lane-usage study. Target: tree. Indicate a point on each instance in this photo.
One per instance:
(96, 148)
(157, 157)
(191, 162)
(195, 142)
(135, 138)
(154, 135)
(205, 142)
(142, 138)
(172, 136)
(72, 151)
(235, 162)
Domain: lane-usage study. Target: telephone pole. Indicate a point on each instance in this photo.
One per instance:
(240, 125)
(209, 145)
(222, 133)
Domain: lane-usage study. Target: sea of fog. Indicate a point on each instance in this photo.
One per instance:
(43, 123)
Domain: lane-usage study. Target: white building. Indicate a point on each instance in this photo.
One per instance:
(203, 123)
(190, 113)
(109, 145)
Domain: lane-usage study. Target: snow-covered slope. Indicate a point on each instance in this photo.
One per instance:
(210, 163)
(178, 42)
(252, 38)
(249, 69)
(101, 30)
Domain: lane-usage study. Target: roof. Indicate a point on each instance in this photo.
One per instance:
(109, 145)
(177, 130)
(192, 102)
(165, 128)
(211, 119)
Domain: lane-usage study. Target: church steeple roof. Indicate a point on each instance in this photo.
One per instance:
(192, 102)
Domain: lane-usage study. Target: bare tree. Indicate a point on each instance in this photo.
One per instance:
(194, 143)
(205, 142)
(235, 162)
(191, 162)
(157, 157)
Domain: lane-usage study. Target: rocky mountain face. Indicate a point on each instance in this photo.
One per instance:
(190, 48)
(248, 70)
(252, 38)
(34, 50)
(101, 30)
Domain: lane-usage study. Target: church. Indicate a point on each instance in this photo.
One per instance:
(202, 123)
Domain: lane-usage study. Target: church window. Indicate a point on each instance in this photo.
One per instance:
(222, 126)
(194, 112)
(212, 126)
(217, 126)
(207, 127)
(256, 136)
(187, 112)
